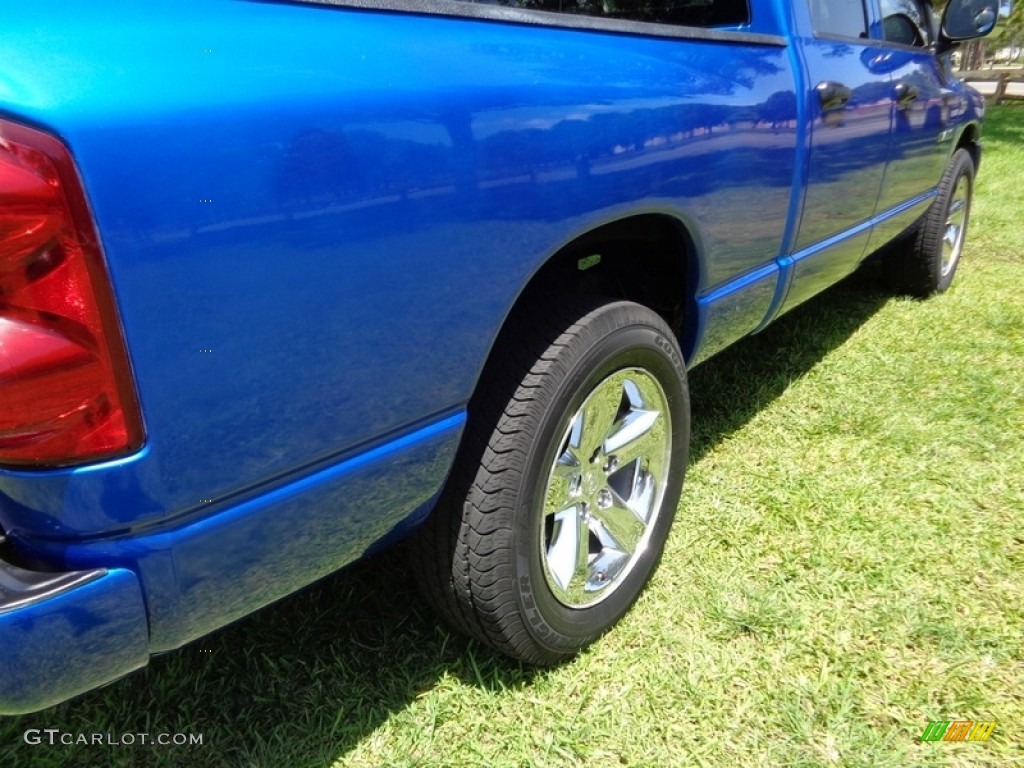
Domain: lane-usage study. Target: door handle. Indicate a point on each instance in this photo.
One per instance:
(906, 94)
(832, 95)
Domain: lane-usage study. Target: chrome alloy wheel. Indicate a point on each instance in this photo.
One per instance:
(605, 487)
(956, 225)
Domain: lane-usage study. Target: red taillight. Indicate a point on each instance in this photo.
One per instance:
(66, 394)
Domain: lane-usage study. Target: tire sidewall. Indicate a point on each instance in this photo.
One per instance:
(961, 165)
(559, 628)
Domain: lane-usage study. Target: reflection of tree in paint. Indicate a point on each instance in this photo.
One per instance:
(779, 109)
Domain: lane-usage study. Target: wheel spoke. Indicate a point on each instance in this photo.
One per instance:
(618, 527)
(639, 432)
(597, 416)
(563, 485)
(634, 427)
(564, 546)
(568, 463)
(606, 569)
(635, 488)
(643, 444)
(613, 531)
(571, 457)
(951, 235)
(644, 495)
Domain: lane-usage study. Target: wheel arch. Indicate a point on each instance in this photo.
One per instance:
(970, 140)
(648, 258)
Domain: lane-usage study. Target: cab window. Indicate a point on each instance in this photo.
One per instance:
(839, 18)
(692, 13)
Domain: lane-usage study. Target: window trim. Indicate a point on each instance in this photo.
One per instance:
(844, 38)
(522, 16)
(880, 43)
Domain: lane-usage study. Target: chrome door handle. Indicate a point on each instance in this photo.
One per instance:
(832, 95)
(906, 94)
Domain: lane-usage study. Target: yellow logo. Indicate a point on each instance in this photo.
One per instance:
(958, 730)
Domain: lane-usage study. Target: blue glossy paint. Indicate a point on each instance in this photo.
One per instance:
(735, 309)
(203, 574)
(380, 189)
(317, 219)
(73, 641)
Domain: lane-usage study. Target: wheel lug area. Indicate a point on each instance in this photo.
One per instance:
(604, 498)
(611, 464)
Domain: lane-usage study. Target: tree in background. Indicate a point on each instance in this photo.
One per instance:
(1009, 33)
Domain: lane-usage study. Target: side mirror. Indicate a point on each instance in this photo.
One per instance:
(968, 19)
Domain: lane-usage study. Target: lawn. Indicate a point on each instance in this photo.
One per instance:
(847, 565)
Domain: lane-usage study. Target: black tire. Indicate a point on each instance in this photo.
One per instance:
(494, 557)
(924, 262)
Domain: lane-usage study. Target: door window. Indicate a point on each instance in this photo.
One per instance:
(839, 18)
(908, 22)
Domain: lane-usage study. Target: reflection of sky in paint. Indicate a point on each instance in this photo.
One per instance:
(491, 121)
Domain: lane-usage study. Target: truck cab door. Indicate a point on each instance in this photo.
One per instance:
(923, 106)
(848, 104)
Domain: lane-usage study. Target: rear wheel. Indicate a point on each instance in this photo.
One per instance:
(567, 479)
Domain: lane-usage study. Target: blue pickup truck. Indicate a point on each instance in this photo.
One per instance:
(285, 282)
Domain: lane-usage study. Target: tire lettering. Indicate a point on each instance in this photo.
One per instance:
(666, 346)
(532, 614)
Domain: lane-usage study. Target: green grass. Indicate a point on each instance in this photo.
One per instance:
(847, 564)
